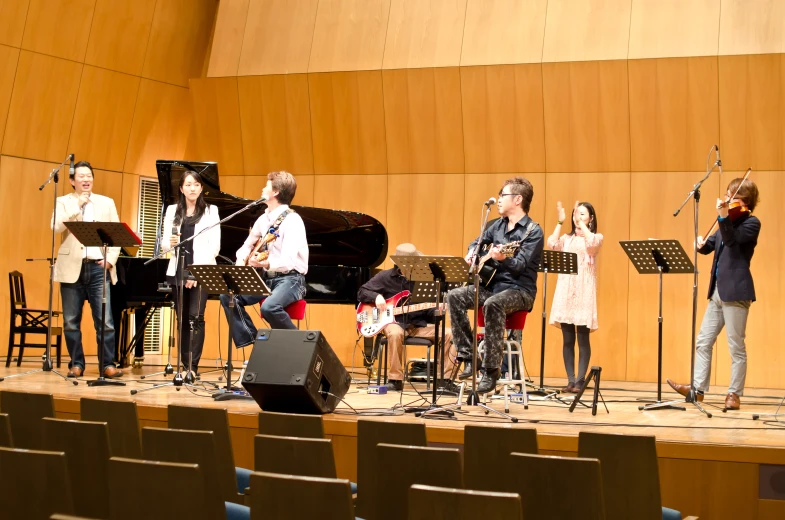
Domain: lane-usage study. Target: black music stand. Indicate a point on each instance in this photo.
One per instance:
(103, 235)
(559, 262)
(439, 271)
(659, 257)
(594, 373)
(234, 280)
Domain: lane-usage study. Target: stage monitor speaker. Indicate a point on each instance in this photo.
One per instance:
(292, 371)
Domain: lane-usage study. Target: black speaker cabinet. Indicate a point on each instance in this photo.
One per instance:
(291, 371)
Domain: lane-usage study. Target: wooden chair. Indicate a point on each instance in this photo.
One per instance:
(489, 447)
(26, 321)
(25, 410)
(191, 447)
(160, 490)
(291, 425)
(86, 447)
(294, 456)
(283, 497)
(214, 420)
(402, 466)
(34, 484)
(438, 503)
(369, 434)
(540, 481)
(6, 440)
(123, 422)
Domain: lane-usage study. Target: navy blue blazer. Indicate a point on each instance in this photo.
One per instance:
(734, 244)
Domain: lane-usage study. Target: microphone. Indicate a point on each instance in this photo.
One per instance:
(490, 202)
(71, 167)
(717, 151)
(259, 201)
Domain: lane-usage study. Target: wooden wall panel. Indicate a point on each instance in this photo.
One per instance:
(276, 124)
(13, 14)
(503, 118)
(586, 116)
(674, 28)
(426, 210)
(654, 197)
(422, 115)
(674, 116)
(305, 188)
(609, 194)
(175, 56)
(234, 184)
(39, 118)
(752, 108)
(424, 33)
(278, 37)
(9, 59)
(119, 34)
(347, 121)
(162, 120)
(500, 32)
(228, 37)
(216, 112)
(581, 31)
(102, 121)
(349, 35)
(129, 201)
(752, 27)
(770, 509)
(45, 31)
(765, 351)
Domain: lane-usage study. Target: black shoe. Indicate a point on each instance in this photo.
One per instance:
(451, 387)
(488, 381)
(468, 370)
(396, 385)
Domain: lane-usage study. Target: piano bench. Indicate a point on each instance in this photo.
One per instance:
(296, 310)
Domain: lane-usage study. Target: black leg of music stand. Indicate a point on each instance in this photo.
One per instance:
(102, 381)
(227, 394)
(542, 391)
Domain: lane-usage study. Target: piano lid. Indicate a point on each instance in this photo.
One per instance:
(335, 237)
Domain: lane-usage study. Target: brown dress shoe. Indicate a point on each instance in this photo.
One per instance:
(684, 390)
(75, 372)
(732, 401)
(111, 371)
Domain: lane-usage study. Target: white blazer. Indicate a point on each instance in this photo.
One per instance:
(206, 246)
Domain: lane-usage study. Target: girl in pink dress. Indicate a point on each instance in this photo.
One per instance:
(574, 307)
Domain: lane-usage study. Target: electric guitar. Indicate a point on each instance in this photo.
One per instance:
(371, 321)
(487, 272)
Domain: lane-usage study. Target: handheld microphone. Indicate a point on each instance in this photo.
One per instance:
(490, 202)
(71, 172)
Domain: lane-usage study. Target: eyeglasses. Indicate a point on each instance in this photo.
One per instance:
(502, 195)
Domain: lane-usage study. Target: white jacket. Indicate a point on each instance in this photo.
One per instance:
(206, 246)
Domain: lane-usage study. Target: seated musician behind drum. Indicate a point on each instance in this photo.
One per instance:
(420, 324)
(513, 287)
(285, 266)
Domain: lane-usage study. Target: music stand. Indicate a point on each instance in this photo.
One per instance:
(559, 262)
(103, 235)
(234, 280)
(659, 257)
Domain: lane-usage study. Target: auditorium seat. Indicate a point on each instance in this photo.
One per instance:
(294, 456)
(280, 497)
(86, 447)
(25, 410)
(291, 425)
(6, 440)
(490, 447)
(123, 421)
(438, 503)
(34, 484)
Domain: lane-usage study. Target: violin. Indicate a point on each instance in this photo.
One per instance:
(736, 209)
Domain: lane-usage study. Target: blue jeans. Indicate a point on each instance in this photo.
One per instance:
(88, 287)
(285, 290)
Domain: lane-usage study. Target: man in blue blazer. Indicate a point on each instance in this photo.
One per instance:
(731, 290)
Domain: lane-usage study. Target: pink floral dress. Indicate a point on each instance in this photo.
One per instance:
(575, 299)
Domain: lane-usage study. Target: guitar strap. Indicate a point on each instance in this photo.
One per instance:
(277, 223)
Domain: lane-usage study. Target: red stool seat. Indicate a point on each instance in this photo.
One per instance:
(296, 310)
(514, 321)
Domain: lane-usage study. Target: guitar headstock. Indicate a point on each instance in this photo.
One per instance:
(510, 248)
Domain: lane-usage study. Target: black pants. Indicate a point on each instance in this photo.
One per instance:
(568, 331)
(193, 306)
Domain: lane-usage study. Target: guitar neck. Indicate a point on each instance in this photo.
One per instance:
(413, 308)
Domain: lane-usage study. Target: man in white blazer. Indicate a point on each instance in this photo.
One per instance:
(79, 269)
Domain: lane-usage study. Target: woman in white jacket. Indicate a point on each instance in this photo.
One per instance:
(182, 221)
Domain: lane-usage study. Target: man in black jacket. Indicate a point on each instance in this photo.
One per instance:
(731, 290)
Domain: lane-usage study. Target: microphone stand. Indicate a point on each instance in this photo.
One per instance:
(695, 195)
(47, 364)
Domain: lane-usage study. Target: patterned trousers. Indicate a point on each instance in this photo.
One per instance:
(496, 307)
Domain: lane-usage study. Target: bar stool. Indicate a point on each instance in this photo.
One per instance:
(296, 310)
(513, 321)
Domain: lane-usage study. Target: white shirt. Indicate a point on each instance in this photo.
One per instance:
(289, 251)
(88, 215)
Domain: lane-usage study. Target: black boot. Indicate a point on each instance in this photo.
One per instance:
(468, 370)
(488, 381)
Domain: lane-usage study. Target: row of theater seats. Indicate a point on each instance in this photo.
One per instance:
(102, 467)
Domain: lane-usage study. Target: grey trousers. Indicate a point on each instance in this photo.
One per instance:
(732, 316)
(496, 307)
